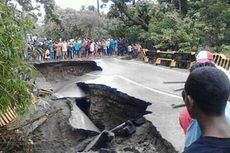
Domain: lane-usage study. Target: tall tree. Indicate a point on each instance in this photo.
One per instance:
(121, 9)
(91, 8)
(98, 6)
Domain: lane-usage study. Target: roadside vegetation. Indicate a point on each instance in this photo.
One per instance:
(14, 89)
(179, 25)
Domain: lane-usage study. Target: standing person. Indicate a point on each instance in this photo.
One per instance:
(205, 56)
(71, 48)
(130, 50)
(51, 48)
(206, 93)
(108, 47)
(125, 45)
(104, 44)
(58, 49)
(96, 47)
(92, 48)
(100, 48)
(47, 54)
(64, 49)
(84, 47)
(119, 47)
(77, 46)
(115, 48)
(112, 46)
(88, 47)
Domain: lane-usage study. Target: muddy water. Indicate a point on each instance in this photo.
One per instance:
(106, 108)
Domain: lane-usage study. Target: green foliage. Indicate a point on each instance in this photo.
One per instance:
(180, 25)
(226, 50)
(74, 24)
(118, 29)
(13, 70)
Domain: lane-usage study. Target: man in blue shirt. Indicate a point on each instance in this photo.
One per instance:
(206, 92)
(194, 131)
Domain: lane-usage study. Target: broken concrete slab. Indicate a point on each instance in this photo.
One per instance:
(79, 121)
(109, 107)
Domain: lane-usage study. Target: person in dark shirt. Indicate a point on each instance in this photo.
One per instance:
(206, 93)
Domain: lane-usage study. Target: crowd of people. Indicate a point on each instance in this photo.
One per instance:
(78, 48)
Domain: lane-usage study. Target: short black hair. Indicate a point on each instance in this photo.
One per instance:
(198, 65)
(210, 88)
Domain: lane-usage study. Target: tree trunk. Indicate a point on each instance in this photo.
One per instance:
(179, 5)
(98, 6)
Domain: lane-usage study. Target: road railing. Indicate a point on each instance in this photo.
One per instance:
(10, 114)
(7, 116)
(164, 57)
(170, 58)
(222, 60)
(181, 59)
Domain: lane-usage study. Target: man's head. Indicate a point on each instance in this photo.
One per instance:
(206, 91)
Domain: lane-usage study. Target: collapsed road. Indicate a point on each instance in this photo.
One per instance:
(121, 93)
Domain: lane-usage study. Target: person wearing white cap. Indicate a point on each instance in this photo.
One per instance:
(206, 56)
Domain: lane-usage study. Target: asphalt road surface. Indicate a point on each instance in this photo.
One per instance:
(143, 81)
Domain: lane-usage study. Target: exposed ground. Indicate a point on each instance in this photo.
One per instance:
(104, 107)
(107, 109)
(66, 70)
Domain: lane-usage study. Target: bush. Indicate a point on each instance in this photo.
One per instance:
(14, 91)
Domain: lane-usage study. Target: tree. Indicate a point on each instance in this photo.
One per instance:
(98, 6)
(14, 89)
(212, 20)
(74, 23)
(123, 10)
(91, 8)
(180, 5)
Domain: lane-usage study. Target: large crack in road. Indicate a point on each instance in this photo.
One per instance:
(77, 126)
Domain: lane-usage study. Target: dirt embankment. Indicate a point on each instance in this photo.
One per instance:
(66, 70)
